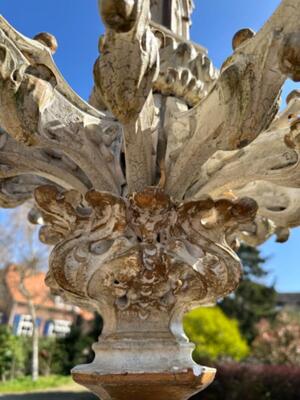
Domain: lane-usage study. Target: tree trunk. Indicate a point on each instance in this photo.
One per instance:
(35, 344)
(35, 331)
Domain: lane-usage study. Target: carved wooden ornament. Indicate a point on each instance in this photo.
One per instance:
(146, 192)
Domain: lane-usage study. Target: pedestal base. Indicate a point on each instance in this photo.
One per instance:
(146, 386)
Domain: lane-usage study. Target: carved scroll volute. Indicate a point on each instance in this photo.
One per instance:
(88, 234)
(140, 258)
(23, 94)
(128, 65)
(292, 138)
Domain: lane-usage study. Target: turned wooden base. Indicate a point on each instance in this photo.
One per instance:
(146, 386)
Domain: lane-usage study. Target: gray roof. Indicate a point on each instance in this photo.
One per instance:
(292, 299)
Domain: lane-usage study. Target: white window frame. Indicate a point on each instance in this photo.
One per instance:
(25, 325)
(59, 328)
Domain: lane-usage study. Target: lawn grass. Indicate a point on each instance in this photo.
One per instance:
(26, 384)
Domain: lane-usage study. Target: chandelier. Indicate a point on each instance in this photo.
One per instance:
(146, 192)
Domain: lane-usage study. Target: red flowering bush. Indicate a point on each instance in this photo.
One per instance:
(278, 342)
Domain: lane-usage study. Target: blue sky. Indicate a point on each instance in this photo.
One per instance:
(77, 26)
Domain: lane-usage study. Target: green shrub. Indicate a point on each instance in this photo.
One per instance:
(12, 354)
(56, 356)
(71, 351)
(215, 335)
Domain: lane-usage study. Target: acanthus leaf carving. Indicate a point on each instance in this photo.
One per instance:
(44, 113)
(145, 250)
(249, 90)
(138, 59)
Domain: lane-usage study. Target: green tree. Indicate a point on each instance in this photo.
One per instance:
(215, 335)
(75, 349)
(253, 262)
(20, 245)
(12, 354)
(252, 301)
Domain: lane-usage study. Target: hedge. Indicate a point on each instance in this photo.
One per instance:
(253, 382)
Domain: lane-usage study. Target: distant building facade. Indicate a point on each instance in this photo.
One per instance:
(289, 301)
(54, 317)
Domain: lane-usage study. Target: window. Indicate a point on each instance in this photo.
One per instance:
(58, 328)
(23, 326)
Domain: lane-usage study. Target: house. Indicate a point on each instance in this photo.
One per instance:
(289, 301)
(54, 317)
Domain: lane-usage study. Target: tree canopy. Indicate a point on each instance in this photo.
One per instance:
(253, 300)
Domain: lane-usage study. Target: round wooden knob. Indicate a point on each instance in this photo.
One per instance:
(241, 36)
(48, 40)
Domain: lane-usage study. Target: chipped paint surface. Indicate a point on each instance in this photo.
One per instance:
(146, 192)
